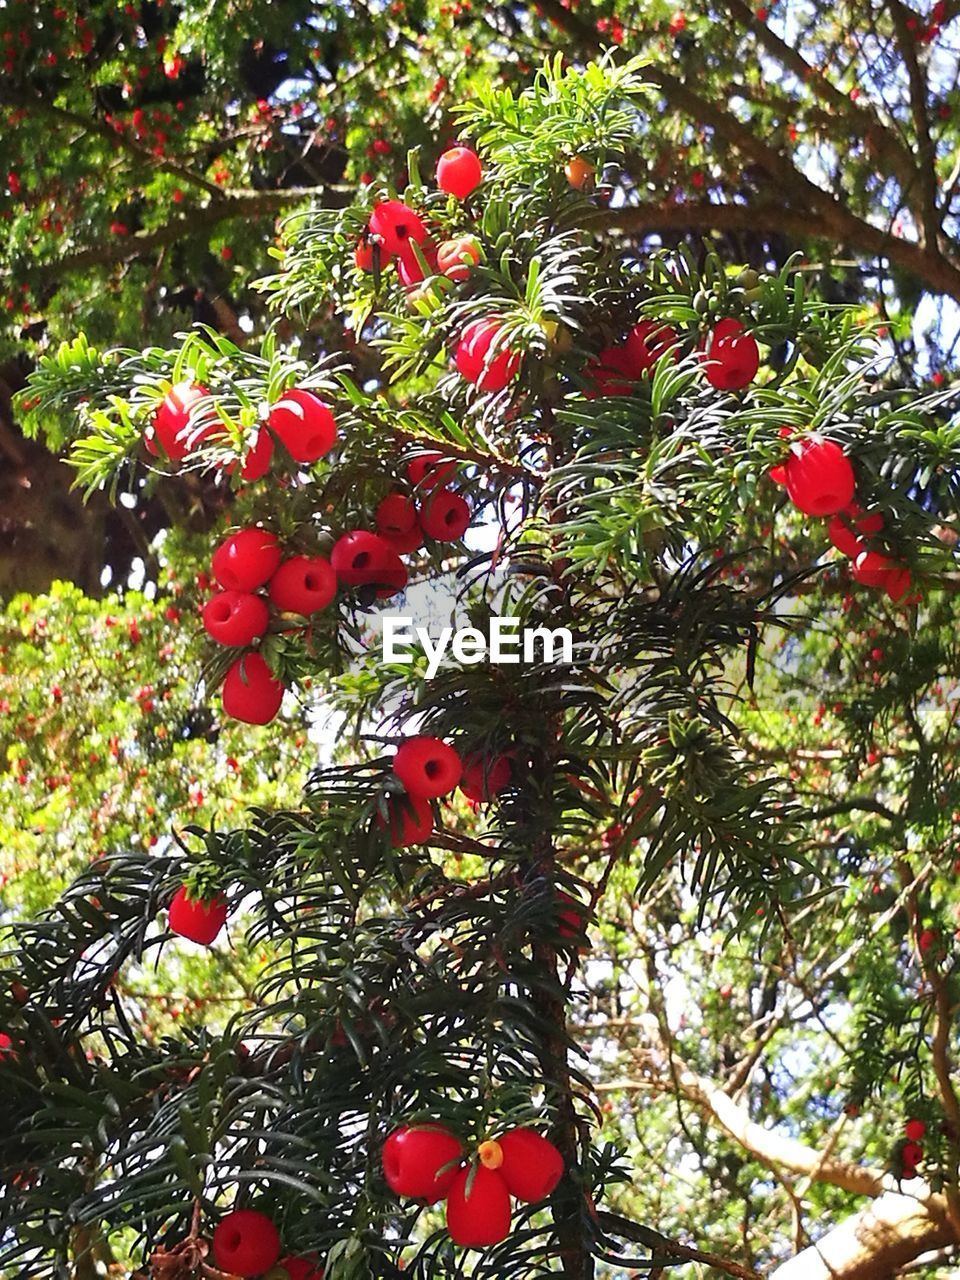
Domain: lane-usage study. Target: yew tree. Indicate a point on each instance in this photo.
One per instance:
(636, 958)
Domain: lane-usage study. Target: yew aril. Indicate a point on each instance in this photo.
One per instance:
(256, 461)
(532, 1166)
(820, 479)
(409, 268)
(459, 172)
(427, 767)
(299, 1269)
(246, 560)
(444, 516)
(731, 356)
(251, 692)
(198, 919)
(303, 424)
(911, 1153)
(363, 559)
(396, 224)
(915, 1130)
(427, 470)
(480, 1216)
(304, 585)
(849, 527)
(421, 1161)
(483, 778)
(457, 258)
(170, 433)
(646, 342)
(410, 820)
(579, 173)
(235, 618)
(246, 1243)
(396, 516)
(473, 359)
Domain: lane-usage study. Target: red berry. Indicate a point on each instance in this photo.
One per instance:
(302, 1268)
(874, 570)
(235, 617)
(844, 528)
(898, 584)
(6, 1047)
(195, 918)
(911, 1153)
(612, 372)
(246, 560)
(251, 692)
(572, 917)
(444, 516)
(481, 1217)
(647, 342)
(256, 463)
(456, 258)
(409, 270)
(914, 1129)
(925, 941)
(459, 172)
(532, 1166)
(427, 470)
(485, 778)
(732, 356)
(427, 767)
(362, 559)
(363, 254)
(303, 424)
(171, 429)
(413, 1157)
(396, 224)
(246, 1243)
(410, 819)
(820, 479)
(303, 584)
(396, 516)
(473, 360)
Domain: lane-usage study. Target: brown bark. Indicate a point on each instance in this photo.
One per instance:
(872, 1244)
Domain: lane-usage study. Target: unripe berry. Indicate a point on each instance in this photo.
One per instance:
(414, 1158)
(251, 692)
(195, 918)
(235, 617)
(482, 1216)
(579, 173)
(303, 424)
(303, 584)
(444, 516)
(246, 559)
(532, 1165)
(459, 172)
(246, 1243)
(427, 767)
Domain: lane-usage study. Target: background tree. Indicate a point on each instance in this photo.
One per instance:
(873, 728)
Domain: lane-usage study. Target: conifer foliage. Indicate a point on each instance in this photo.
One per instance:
(407, 1093)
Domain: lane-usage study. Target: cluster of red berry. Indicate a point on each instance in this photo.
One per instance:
(820, 481)
(185, 419)
(247, 1243)
(911, 1153)
(426, 1162)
